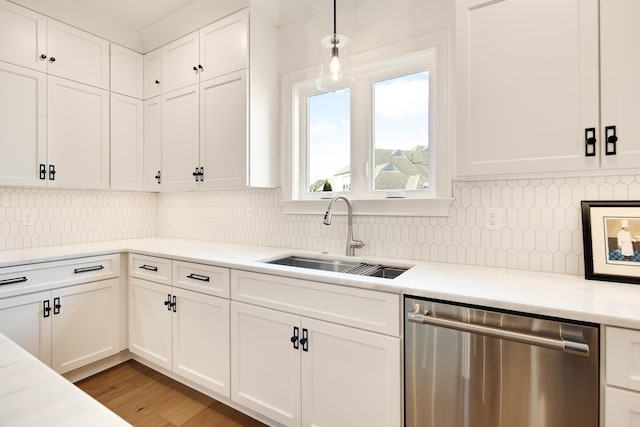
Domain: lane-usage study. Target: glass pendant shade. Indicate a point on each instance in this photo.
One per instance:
(335, 72)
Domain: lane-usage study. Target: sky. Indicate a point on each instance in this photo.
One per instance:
(401, 106)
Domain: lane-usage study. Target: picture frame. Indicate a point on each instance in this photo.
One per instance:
(611, 238)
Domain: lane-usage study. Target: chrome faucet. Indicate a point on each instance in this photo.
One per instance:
(352, 245)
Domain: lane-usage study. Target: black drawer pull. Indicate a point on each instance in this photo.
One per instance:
(88, 269)
(12, 281)
(149, 267)
(198, 277)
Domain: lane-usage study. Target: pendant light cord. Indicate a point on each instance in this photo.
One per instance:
(334, 17)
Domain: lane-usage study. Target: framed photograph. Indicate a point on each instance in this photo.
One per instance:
(611, 235)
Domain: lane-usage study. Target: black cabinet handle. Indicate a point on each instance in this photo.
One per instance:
(294, 338)
(611, 140)
(157, 177)
(173, 304)
(46, 308)
(88, 269)
(167, 303)
(56, 305)
(52, 172)
(590, 142)
(149, 267)
(304, 341)
(43, 171)
(201, 174)
(200, 277)
(43, 56)
(196, 174)
(52, 59)
(13, 280)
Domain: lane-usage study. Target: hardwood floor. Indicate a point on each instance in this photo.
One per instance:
(144, 397)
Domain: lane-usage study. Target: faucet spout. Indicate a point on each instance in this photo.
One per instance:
(351, 243)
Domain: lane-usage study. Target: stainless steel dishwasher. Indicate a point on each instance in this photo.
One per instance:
(468, 366)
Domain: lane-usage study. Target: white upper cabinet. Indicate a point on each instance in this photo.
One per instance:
(224, 46)
(223, 130)
(126, 143)
(126, 71)
(527, 85)
(23, 36)
(77, 55)
(219, 48)
(180, 61)
(152, 174)
(620, 83)
(78, 134)
(23, 126)
(153, 74)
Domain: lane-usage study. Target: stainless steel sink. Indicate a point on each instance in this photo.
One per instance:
(341, 266)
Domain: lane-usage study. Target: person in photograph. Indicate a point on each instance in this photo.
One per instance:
(625, 241)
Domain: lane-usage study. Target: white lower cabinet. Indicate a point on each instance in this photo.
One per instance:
(68, 327)
(622, 372)
(303, 371)
(182, 331)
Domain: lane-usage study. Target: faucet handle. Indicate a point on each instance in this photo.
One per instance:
(356, 244)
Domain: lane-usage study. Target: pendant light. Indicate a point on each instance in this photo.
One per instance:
(335, 72)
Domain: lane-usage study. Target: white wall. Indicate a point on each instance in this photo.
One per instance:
(368, 23)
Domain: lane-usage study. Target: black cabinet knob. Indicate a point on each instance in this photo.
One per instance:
(52, 59)
(43, 56)
(157, 82)
(195, 68)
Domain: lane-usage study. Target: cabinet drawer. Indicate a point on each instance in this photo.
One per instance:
(360, 308)
(623, 358)
(150, 268)
(48, 275)
(622, 408)
(201, 278)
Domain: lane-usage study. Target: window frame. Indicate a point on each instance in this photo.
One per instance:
(378, 64)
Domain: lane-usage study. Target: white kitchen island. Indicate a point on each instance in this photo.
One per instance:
(32, 394)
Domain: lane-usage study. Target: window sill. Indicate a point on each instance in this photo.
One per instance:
(387, 207)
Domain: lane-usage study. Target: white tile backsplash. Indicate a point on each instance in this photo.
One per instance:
(543, 229)
(73, 216)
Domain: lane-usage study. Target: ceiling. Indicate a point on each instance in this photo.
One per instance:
(134, 14)
(140, 14)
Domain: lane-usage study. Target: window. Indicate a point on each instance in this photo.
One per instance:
(384, 143)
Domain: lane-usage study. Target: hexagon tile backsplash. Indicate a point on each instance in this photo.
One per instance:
(542, 225)
(32, 218)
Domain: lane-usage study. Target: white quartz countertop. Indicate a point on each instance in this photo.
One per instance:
(557, 295)
(32, 394)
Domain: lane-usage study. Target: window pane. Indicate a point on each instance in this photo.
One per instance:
(401, 133)
(329, 140)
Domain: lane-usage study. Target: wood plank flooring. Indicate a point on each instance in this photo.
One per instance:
(144, 397)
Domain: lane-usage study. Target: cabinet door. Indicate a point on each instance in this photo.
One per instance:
(78, 134)
(224, 46)
(23, 321)
(622, 408)
(153, 74)
(150, 321)
(126, 71)
(85, 325)
(180, 133)
(76, 55)
(126, 143)
(265, 366)
(223, 130)
(349, 377)
(153, 144)
(527, 85)
(620, 68)
(22, 125)
(180, 63)
(201, 340)
(22, 36)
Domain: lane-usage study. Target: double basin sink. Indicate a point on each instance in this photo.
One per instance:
(341, 266)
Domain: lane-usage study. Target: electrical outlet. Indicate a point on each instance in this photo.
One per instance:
(28, 218)
(494, 218)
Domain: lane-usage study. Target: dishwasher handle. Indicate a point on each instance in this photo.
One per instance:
(572, 347)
